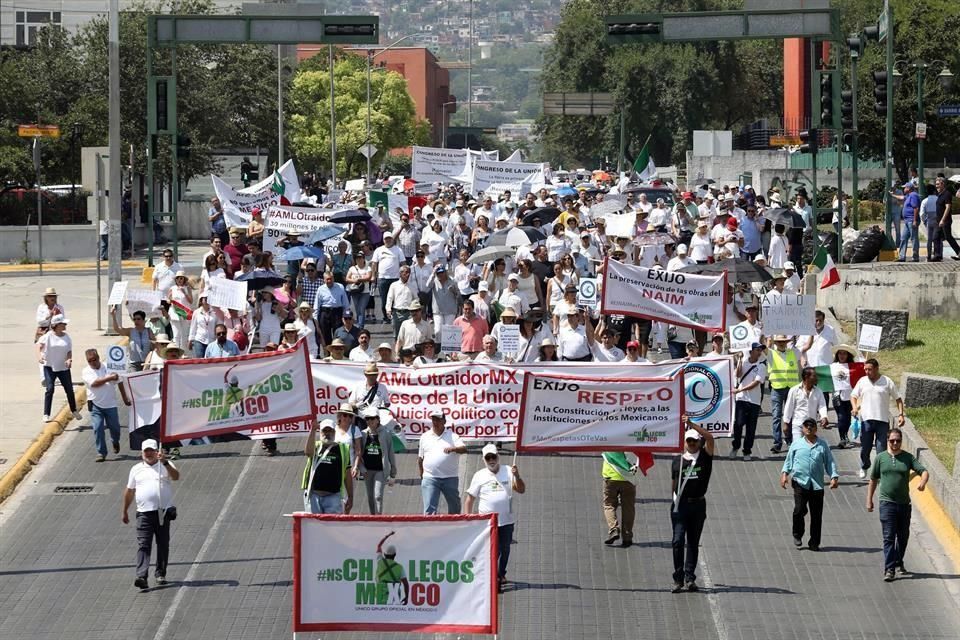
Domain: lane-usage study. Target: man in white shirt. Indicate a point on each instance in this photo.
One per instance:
(102, 395)
(489, 353)
(817, 349)
(362, 352)
(149, 483)
(751, 373)
(439, 468)
(870, 400)
(414, 330)
(164, 273)
(575, 339)
(633, 353)
(804, 401)
(400, 296)
(607, 350)
(680, 260)
(386, 261)
(494, 486)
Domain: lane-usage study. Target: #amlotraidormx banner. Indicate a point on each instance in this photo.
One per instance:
(681, 299)
(429, 574)
(222, 395)
(237, 204)
(577, 413)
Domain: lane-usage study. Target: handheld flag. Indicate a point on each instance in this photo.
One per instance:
(183, 311)
(278, 185)
(838, 376)
(829, 274)
(644, 166)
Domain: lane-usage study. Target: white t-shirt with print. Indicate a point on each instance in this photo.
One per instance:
(495, 492)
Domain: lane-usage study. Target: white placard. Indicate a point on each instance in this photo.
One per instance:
(620, 225)
(303, 220)
(428, 574)
(115, 358)
(227, 294)
(742, 337)
(509, 338)
(587, 294)
(870, 338)
(430, 164)
(145, 300)
(451, 338)
(489, 172)
(118, 293)
(787, 314)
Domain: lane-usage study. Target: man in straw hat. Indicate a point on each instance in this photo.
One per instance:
(783, 368)
(369, 393)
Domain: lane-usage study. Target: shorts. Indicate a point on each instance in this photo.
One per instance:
(643, 328)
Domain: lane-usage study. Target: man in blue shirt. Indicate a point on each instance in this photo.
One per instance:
(752, 228)
(808, 460)
(911, 221)
(221, 347)
(328, 306)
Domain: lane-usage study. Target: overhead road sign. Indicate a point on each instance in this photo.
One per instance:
(724, 25)
(171, 30)
(578, 104)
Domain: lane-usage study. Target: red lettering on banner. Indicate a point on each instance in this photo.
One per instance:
(667, 298)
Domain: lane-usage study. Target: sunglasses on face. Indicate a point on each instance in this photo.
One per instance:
(490, 456)
(221, 335)
(894, 441)
(692, 440)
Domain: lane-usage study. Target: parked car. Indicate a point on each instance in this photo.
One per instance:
(18, 206)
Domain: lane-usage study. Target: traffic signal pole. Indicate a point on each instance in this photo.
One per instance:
(888, 158)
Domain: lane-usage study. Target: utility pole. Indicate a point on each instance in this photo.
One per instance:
(888, 151)
(469, 76)
(369, 155)
(115, 216)
(279, 107)
(333, 123)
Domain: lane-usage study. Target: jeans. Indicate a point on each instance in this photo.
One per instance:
(431, 488)
(397, 317)
(148, 528)
(802, 499)
(199, 349)
(746, 415)
(895, 523)
(375, 482)
(931, 232)
(843, 408)
(109, 418)
(687, 520)
(504, 540)
(316, 503)
(939, 235)
(328, 319)
(360, 301)
(873, 432)
(383, 286)
(778, 398)
(910, 232)
(677, 349)
(66, 381)
(623, 494)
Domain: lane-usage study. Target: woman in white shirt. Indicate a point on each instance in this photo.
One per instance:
(46, 310)
(202, 326)
(844, 354)
(557, 244)
(566, 307)
(570, 268)
(210, 271)
(307, 328)
(496, 277)
(359, 282)
(268, 315)
(556, 286)
(777, 253)
(55, 355)
(180, 292)
(701, 247)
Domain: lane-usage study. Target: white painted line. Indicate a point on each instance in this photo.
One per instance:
(207, 543)
(712, 597)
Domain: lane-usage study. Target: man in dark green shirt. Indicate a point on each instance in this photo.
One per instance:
(891, 472)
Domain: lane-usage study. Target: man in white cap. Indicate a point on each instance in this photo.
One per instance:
(439, 468)
(680, 260)
(385, 262)
(690, 474)
(791, 283)
(493, 486)
(149, 483)
(414, 330)
(377, 459)
(327, 482)
(102, 398)
(708, 208)
(514, 298)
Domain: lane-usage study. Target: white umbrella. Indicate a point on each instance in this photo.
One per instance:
(954, 178)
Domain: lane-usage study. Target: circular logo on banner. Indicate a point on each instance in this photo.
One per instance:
(739, 332)
(588, 289)
(704, 391)
(116, 353)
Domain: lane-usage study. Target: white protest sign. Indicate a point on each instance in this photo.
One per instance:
(682, 299)
(488, 172)
(789, 314)
(870, 338)
(115, 359)
(579, 413)
(227, 294)
(742, 336)
(620, 225)
(281, 220)
(358, 184)
(143, 389)
(237, 204)
(440, 576)
(145, 300)
(117, 293)
(587, 294)
(509, 338)
(431, 164)
(451, 338)
(221, 395)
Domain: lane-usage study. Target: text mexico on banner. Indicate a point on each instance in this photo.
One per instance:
(682, 299)
(574, 413)
(440, 577)
(220, 395)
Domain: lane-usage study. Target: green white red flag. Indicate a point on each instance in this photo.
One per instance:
(183, 311)
(838, 377)
(829, 274)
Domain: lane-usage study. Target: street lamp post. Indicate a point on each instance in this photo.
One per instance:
(443, 123)
(946, 81)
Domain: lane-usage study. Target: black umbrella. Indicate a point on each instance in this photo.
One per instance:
(350, 215)
(545, 214)
(738, 270)
(786, 217)
(515, 237)
(260, 278)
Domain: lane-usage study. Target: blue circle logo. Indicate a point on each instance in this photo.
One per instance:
(115, 353)
(704, 391)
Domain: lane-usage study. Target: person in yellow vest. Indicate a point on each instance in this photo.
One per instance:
(783, 371)
(327, 483)
(619, 489)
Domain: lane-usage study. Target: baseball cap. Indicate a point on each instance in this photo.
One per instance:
(788, 265)
(387, 235)
(513, 276)
(633, 344)
(441, 269)
(438, 413)
(691, 434)
(682, 249)
(488, 449)
(149, 444)
(757, 345)
(370, 412)
(346, 313)
(483, 285)
(327, 424)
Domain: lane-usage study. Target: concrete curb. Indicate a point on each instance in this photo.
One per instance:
(941, 502)
(67, 266)
(12, 478)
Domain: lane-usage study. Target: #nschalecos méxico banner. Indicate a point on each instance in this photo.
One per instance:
(682, 299)
(222, 395)
(579, 413)
(237, 204)
(428, 574)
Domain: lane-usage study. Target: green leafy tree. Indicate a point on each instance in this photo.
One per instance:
(393, 120)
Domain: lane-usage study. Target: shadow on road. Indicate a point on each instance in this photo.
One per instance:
(109, 567)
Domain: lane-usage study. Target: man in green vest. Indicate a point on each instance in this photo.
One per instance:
(618, 490)
(327, 483)
(783, 369)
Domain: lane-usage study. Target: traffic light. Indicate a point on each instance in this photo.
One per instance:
(627, 29)
(855, 44)
(183, 147)
(351, 30)
(848, 141)
(880, 92)
(872, 32)
(826, 99)
(846, 109)
(161, 106)
(809, 139)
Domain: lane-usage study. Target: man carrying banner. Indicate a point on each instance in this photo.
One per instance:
(326, 476)
(784, 371)
(494, 487)
(439, 469)
(808, 460)
(751, 374)
(619, 489)
(690, 474)
(377, 459)
(804, 401)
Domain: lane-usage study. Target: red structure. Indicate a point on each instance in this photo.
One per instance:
(427, 81)
(796, 82)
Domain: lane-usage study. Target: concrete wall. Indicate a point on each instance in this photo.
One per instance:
(927, 293)
(726, 170)
(60, 242)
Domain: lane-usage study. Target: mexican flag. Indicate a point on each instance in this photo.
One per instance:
(183, 311)
(391, 201)
(838, 377)
(644, 166)
(618, 460)
(278, 186)
(829, 275)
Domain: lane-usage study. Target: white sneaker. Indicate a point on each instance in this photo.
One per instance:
(46, 418)
(747, 457)
(862, 473)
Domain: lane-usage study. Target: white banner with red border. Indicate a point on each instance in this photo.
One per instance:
(426, 574)
(223, 395)
(580, 413)
(682, 299)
